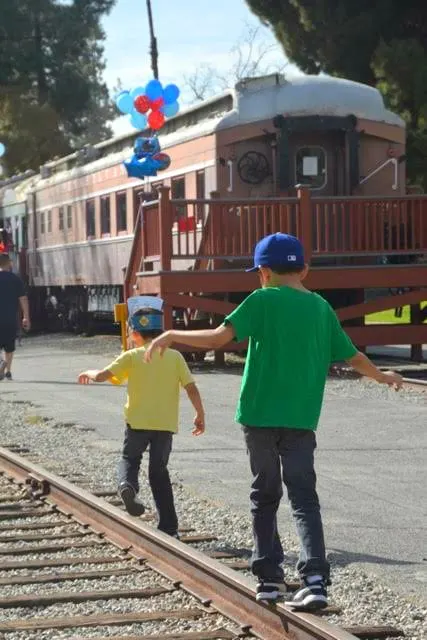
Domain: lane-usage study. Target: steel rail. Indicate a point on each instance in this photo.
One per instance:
(416, 383)
(217, 587)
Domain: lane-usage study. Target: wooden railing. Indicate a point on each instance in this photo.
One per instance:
(213, 229)
(352, 226)
(149, 212)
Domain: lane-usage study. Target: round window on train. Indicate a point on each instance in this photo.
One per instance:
(310, 167)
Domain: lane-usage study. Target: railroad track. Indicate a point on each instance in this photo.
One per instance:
(419, 384)
(61, 544)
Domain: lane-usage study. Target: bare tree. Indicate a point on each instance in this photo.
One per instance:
(202, 83)
(249, 59)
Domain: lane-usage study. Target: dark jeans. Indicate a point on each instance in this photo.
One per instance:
(160, 442)
(276, 452)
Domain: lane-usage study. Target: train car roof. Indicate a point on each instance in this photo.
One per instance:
(251, 100)
(263, 98)
(14, 190)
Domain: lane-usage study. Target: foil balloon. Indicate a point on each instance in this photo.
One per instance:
(147, 159)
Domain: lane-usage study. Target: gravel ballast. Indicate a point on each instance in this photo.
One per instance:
(360, 595)
(78, 453)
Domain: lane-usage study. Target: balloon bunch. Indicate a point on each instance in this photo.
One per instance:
(149, 105)
(147, 158)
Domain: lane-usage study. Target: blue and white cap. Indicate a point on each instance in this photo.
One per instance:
(145, 313)
(147, 321)
(278, 249)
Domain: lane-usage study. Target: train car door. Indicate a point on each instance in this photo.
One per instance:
(318, 161)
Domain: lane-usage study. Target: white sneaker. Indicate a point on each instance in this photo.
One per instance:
(310, 597)
(270, 591)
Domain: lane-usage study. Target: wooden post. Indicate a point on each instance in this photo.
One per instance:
(165, 228)
(306, 222)
(215, 195)
(416, 317)
(167, 314)
(215, 226)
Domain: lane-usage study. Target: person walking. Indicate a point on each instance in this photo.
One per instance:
(151, 415)
(294, 335)
(13, 300)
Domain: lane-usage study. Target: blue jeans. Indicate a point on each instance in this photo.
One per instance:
(160, 443)
(278, 453)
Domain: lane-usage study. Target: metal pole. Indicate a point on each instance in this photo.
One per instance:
(154, 53)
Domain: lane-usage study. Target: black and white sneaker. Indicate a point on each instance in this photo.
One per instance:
(311, 596)
(134, 507)
(270, 591)
(8, 375)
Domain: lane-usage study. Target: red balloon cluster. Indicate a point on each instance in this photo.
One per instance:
(156, 118)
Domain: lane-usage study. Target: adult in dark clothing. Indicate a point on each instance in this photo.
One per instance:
(12, 299)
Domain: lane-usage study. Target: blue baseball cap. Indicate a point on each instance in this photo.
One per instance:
(278, 249)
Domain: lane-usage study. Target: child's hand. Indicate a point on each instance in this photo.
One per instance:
(391, 378)
(160, 344)
(86, 377)
(199, 425)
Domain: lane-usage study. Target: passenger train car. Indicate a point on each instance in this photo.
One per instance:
(257, 140)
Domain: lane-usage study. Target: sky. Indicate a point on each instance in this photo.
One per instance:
(189, 33)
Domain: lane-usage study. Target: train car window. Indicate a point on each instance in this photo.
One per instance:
(69, 217)
(105, 215)
(310, 167)
(61, 218)
(178, 192)
(49, 221)
(121, 209)
(42, 222)
(90, 218)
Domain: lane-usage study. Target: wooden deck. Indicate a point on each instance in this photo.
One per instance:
(193, 253)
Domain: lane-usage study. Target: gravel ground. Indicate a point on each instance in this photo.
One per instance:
(363, 599)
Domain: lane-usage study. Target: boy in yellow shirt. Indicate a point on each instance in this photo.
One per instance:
(151, 414)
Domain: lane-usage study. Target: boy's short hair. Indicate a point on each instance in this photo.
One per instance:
(284, 270)
(148, 322)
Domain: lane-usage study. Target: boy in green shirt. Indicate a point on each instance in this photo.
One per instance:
(294, 336)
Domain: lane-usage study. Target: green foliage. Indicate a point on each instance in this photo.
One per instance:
(52, 96)
(381, 43)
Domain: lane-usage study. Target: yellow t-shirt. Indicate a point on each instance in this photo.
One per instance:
(153, 388)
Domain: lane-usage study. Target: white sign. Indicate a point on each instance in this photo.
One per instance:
(310, 166)
(135, 303)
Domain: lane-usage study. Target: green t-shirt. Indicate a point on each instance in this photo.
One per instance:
(293, 338)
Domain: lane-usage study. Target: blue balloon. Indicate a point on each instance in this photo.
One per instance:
(2, 149)
(170, 110)
(138, 91)
(124, 102)
(171, 93)
(138, 120)
(154, 90)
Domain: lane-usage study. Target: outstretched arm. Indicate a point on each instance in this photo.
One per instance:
(196, 401)
(204, 339)
(363, 365)
(94, 375)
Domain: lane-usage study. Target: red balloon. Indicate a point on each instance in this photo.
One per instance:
(157, 104)
(142, 104)
(156, 120)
